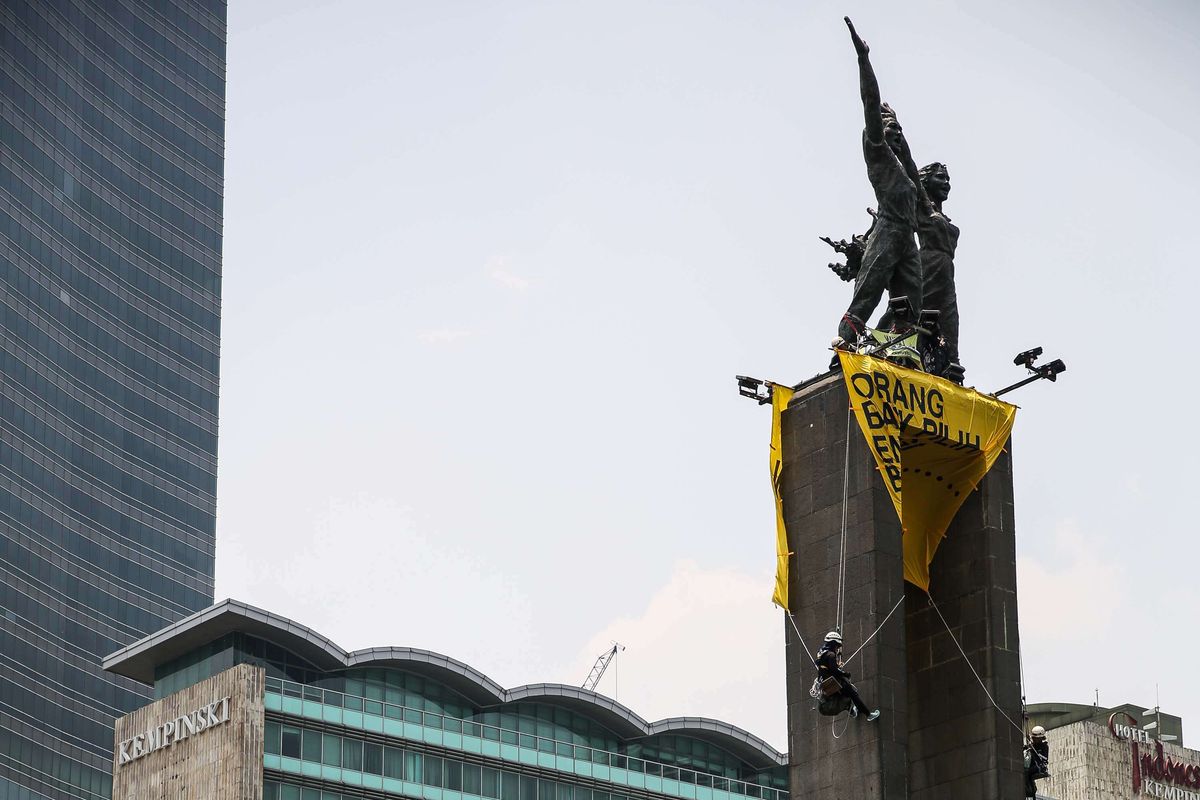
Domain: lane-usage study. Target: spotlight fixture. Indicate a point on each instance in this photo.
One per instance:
(1028, 359)
(755, 389)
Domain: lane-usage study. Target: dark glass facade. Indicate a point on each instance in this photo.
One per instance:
(111, 181)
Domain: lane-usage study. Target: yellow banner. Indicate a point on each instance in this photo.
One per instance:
(780, 395)
(933, 441)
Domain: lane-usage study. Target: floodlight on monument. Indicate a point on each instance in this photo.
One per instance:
(1052, 370)
(754, 388)
(1027, 359)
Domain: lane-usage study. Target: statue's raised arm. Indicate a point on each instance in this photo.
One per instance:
(890, 261)
(868, 86)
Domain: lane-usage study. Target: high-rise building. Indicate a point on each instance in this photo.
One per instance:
(111, 180)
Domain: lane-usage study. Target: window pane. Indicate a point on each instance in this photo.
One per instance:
(471, 783)
(413, 767)
(352, 757)
(331, 750)
(491, 783)
(372, 758)
(433, 771)
(453, 777)
(393, 763)
(311, 749)
(272, 740)
(508, 782)
(291, 742)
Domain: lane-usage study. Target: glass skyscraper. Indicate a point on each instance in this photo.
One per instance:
(111, 180)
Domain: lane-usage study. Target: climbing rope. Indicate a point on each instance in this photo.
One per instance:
(792, 620)
(840, 620)
(833, 726)
(982, 685)
(877, 630)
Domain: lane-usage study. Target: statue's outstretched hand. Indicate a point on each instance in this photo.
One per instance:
(860, 46)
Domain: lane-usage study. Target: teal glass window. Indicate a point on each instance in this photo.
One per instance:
(433, 770)
(372, 758)
(331, 750)
(291, 742)
(528, 788)
(414, 765)
(310, 749)
(453, 775)
(490, 783)
(471, 780)
(352, 754)
(393, 763)
(271, 738)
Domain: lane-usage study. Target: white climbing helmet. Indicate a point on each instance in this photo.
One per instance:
(1038, 732)
(833, 636)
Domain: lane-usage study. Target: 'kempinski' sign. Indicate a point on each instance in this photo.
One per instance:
(175, 730)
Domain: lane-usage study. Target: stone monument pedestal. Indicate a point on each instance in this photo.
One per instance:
(939, 737)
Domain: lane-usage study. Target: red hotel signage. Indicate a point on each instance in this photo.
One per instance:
(1156, 767)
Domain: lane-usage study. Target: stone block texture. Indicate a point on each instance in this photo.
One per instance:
(939, 735)
(221, 763)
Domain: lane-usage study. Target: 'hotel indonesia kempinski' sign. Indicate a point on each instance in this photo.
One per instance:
(1154, 773)
(174, 730)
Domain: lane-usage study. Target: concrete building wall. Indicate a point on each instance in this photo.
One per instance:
(1088, 763)
(223, 762)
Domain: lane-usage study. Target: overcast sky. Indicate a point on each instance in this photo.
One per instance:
(490, 269)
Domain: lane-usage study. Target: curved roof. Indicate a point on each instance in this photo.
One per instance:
(138, 661)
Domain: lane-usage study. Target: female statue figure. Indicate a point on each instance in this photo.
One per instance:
(939, 239)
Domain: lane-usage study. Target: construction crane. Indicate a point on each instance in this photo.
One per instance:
(601, 664)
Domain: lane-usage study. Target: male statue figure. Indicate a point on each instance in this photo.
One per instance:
(891, 260)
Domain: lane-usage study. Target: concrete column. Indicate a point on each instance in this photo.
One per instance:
(939, 736)
(960, 745)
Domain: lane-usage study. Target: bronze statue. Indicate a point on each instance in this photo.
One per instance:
(888, 264)
(890, 259)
